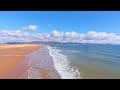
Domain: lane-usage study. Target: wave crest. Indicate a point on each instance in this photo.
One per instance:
(62, 65)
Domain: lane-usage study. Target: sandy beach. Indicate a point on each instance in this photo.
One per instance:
(13, 63)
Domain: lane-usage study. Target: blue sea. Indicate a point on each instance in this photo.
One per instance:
(86, 61)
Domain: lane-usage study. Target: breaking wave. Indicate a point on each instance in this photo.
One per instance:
(62, 65)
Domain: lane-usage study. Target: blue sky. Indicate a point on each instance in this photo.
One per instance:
(67, 26)
(79, 21)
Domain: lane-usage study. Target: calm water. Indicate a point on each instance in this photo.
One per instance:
(93, 60)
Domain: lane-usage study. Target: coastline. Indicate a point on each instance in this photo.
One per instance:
(24, 61)
(13, 61)
(42, 65)
(35, 61)
(63, 65)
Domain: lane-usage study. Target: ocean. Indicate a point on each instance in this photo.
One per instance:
(78, 61)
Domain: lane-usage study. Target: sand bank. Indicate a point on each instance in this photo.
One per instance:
(12, 56)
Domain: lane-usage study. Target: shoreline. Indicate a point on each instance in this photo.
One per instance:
(35, 61)
(63, 65)
(13, 61)
(42, 65)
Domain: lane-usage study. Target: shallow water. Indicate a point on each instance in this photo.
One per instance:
(41, 65)
(93, 60)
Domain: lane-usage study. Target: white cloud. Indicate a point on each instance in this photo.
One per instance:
(71, 34)
(30, 27)
(11, 33)
(13, 36)
(56, 34)
(89, 37)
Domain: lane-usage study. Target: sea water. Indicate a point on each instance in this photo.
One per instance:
(88, 61)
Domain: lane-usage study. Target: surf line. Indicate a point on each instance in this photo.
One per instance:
(62, 65)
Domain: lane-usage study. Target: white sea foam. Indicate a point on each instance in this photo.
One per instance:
(43, 58)
(38, 60)
(62, 65)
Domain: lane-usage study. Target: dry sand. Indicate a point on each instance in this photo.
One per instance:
(11, 56)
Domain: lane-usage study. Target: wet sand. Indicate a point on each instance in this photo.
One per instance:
(41, 65)
(13, 63)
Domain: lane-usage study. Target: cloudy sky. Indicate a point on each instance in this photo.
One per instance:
(61, 26)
